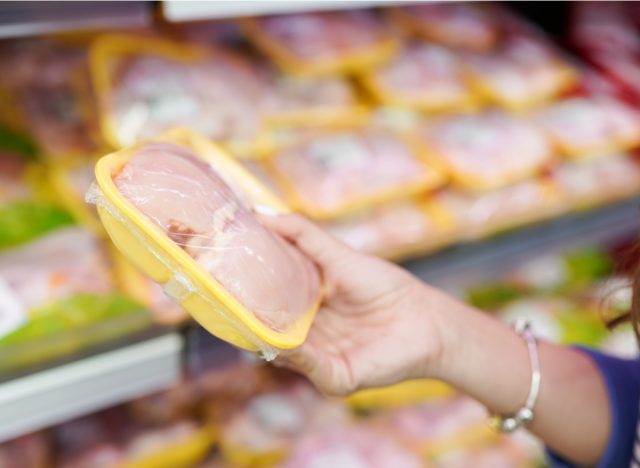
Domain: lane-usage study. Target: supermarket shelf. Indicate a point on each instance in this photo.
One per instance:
(61, 393)
(470, 263)
(185, 10)
(20, 19)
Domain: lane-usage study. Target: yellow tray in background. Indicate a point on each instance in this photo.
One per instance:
(152, 251)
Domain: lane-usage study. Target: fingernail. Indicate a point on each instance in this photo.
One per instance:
(265, 210)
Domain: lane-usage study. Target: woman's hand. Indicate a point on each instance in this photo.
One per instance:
(376, 325)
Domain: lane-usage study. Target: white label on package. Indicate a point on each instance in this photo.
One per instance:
(12, 312)
(339, 151)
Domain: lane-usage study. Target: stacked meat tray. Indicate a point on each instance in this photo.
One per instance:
(400, 130)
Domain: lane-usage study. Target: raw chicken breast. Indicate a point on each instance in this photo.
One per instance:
(487, 150)
(332, 171)
(584, 126)
(326, 35)
(354, 447)
(218, 97)
(57, 265)
(469, 26)
(193, 205)
(424, 75)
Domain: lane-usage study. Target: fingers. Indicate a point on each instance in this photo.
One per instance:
(307, 236)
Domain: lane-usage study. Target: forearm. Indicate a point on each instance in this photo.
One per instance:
(487, 360)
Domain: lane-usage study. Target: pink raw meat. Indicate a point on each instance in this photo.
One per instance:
(425, 72)
(57, 265)
(355, 447)
(327, 35)
(493, 147)
(186, 198)
(330, 170)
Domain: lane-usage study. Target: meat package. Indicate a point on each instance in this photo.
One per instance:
(476, 215)
(487, 150)
(422, 76)
(523, 71)
(148, 86)
(375, 230)
(336, 172)
(47, 87)
(181, 210)
(324, 43)
(597, 180)
(588, 126)
(58, 296)
(466, 26)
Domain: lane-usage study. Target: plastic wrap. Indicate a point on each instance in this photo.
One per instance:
(468, 26)
(475, 216)
(47, 82)
(424, 77)
(599, 180)
(338, 172)
(351, 446)
(325, 43)
(486, 151)
(583, 127)
(524, 71)
(392, 230)
(148, 86)
(180, 209)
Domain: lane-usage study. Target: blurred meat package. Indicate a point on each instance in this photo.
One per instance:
(324, 43)
(523, 71)
(487, 150)
(583, 126)
(148, 86)
(195, 207)
(375, 231)
(598, 180)
(47, 84)
(466, 26)
(422, 76)
(336, 172)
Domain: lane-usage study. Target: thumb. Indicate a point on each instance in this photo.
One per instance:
(308, 237)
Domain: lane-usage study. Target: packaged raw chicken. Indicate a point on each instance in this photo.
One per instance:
(422, 76)
(488, 150)
(478, 215)
(436, 425)
(502, 454)
(307, 101)
(339, 172)
(403, 394)
(582, 126)
(392, 230)
(598, 180)
(267, 428)
(48, 83)
(181, 210)
(351, 446)
(469, 26)
(524, 71)
(148, 86)
(324, 43)
(59, 296)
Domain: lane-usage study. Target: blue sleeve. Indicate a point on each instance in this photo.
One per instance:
(622, 379)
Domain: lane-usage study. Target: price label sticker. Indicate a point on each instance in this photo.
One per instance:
(13, 312)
